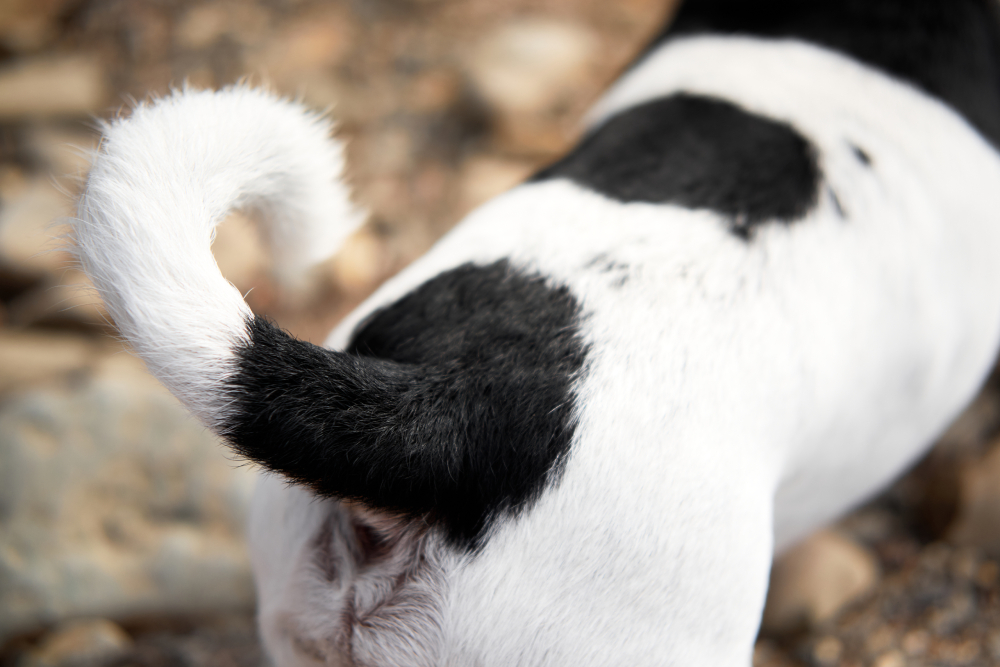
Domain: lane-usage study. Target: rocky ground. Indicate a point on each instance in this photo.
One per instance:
(121, 520)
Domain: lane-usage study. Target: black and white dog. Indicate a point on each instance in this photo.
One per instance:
(575, 432)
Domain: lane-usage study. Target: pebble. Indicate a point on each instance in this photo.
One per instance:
(916, 642)
(814, 581)
(978, 521)
(297, 56)
(203, 25)
(240, 252)
(64, 149)
(66, 300)
(993, 644)
(532, 74)
(531, 66)
(485, 177)
(28, 25)
(361, 264)
(28, 239)
(957, 611)
(881, 640)
(988, 574)
(828, 651)
(57, 86)
(79, 642)
(114, 502)
(890, 659)
(32, 358)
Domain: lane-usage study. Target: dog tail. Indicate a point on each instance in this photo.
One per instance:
(162, 180)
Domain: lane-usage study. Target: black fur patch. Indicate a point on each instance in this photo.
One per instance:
(698, 152)
(862, 155)
(949, 48)
(453, 405)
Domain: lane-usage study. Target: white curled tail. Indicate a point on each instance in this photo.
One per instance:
(162, 180)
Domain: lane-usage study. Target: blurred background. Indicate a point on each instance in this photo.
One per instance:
(121, 519)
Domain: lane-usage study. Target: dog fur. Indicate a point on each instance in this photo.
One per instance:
(576, 431)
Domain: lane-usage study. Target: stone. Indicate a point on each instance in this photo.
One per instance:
(957, 612)
(29, 229)
(66, 300)
(993, 644)
(816, 580)
(202, 25)
(828, 650)
(361, 263)
(52, 86)
(29, 359)
(534, 76)
(433, 91)
(978, 520)
(881, 640)
(485, 177)
(532, 66)
(65, 151)
(115, 503)
(768, 654)
(79, 642)
(240, 253)
(916, 642)
(297, 57)
(890, 659)
(988, 574)
(28, 25)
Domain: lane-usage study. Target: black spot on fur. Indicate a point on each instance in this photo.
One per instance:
(605, 264)
(862, 155)
(837, 205)
(949, 48)
(698, 152)
(452, 405)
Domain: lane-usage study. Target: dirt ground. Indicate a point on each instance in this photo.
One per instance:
(444, 103)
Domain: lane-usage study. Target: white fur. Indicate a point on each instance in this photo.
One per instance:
(162, 180)
(738, 394)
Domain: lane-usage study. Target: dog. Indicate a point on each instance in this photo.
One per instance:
(576, 431)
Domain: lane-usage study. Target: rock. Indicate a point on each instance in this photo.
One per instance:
(828, 650)
(891, 659)
(880, 640)
(978, 521)
(533, 74)
(69, 302)
(389, 151)
(79, 642)
(814, 581)
(297, 58)
(988, 574)
(485, 177)
(115, 503)
(29, 359)
(65, 150)
(993, 644)
(28, 238)
(63, 86)
(240, 253)
(361, 263)
(768, 654)
(916, 642)
(27, 25)
(203, 25)
(433, 91)
(532, 66)
(954, 614)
